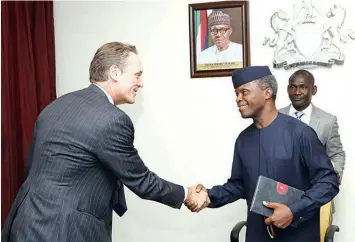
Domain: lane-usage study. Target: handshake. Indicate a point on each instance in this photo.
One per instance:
(197, 198)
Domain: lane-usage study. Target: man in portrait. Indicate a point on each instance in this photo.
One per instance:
(223, 50)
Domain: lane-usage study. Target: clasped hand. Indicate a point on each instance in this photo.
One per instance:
(197, 198)
(282, 216)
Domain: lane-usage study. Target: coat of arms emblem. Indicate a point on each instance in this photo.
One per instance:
(308, 38)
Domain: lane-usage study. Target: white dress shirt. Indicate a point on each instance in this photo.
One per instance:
(111, 101)
(233, 53)
(306, 118)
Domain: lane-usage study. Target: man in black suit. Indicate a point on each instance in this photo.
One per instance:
(82, 154)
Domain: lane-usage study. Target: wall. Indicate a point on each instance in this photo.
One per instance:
(186, 128)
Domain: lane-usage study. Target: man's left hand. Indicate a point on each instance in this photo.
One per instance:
(282, 216)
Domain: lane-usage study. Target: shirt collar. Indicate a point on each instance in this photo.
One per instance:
(307, 111)
(106, 93)
(218, 51)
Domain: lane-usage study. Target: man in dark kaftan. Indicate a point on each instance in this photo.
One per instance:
(279, 147)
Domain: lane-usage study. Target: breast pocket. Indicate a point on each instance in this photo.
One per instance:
(282, 168)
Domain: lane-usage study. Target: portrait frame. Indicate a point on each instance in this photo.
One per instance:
(198, 69)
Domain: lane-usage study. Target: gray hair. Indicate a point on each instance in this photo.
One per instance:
(114, 53)
(268, 82)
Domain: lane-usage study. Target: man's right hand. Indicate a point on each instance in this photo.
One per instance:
(197, 198)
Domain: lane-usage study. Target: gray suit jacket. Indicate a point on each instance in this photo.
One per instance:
(81, 155)
(327, 129)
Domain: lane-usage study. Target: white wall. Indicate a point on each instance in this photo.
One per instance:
(186, 128)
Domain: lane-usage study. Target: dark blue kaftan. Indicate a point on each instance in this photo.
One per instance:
(287, 151)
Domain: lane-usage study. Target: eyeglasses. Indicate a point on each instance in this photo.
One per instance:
(222, 31)
(270, 231)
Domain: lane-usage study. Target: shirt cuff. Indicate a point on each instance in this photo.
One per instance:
(186, 192)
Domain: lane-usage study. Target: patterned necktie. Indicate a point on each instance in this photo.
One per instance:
(299, 115)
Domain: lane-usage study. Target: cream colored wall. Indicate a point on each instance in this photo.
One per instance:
(186, 128)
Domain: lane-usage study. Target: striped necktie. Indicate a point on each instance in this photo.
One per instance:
(299, 115)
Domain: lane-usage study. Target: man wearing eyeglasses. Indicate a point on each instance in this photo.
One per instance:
(223, 49)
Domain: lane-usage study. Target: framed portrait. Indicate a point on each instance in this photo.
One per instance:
(219, 38)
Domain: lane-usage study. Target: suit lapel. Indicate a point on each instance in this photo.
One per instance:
(315, 119)
(286, 110)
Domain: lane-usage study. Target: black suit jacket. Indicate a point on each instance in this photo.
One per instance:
(81, 155)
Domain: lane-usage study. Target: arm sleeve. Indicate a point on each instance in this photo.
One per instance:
(335, 150)
(324, 183)
(117, 153)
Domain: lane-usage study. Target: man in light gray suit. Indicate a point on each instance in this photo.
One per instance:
(301, 88)
(82, 155)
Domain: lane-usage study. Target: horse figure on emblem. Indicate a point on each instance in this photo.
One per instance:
(283, 35)
(334, 32)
